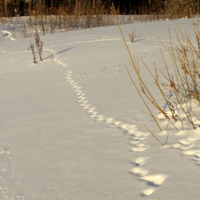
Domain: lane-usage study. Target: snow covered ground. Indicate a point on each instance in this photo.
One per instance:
(71, 126)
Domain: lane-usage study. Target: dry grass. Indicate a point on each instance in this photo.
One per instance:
(134, 36)
(36, 48)
(49, 24)
(58, 20)
(32, 49)
(181, 88)
(177, 9)
(39, 45)
(46, 20)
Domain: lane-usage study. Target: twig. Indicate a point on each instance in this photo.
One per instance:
(154, 136)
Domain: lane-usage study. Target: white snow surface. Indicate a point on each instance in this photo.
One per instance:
(71, 126)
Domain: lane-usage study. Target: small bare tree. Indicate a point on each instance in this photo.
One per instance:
(38, 45)
(32, 49)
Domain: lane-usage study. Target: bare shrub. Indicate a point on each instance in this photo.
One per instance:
(36, 48)
(39, 45)
(181, 88)
(32, 49)
(133, 36)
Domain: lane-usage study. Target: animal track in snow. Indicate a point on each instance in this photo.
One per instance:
(155, 180)
(99, 118)
(140, 161)
(148, 191)
(134, 142)
(126, 127)
(91, 110)
(130, 130)
(115, 124)
(139, 171)
(109, 120)
(182, 147)
(139, 147)
(186, 145)
(55, 59)
(195, 155)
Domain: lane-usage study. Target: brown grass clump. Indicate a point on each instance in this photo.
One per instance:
(133, 37)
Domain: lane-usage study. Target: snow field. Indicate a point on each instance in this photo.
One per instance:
(98, 106)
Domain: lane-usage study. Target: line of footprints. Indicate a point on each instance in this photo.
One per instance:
(136, 137)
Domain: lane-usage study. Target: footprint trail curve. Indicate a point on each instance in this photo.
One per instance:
(137, 137)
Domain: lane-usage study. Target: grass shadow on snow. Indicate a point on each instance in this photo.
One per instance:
(60, 52)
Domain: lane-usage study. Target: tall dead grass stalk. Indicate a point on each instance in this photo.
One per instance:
(181, 87)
